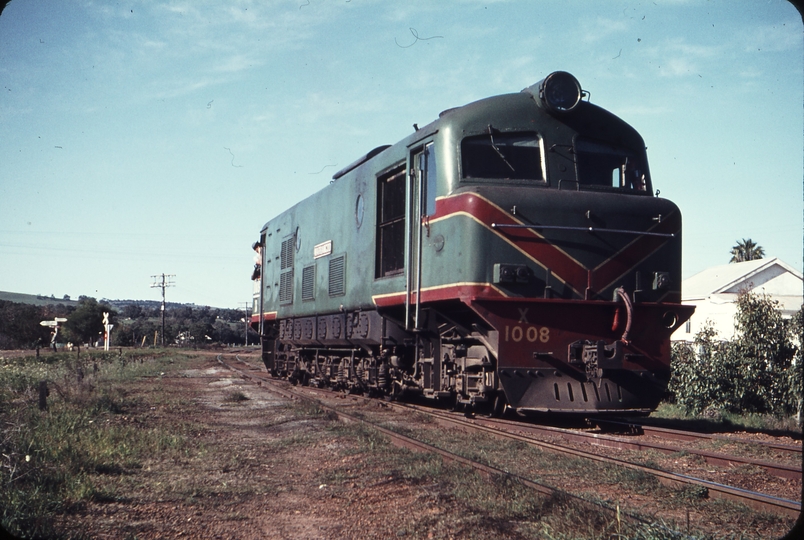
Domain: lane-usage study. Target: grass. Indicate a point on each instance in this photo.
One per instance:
(567, 472)
(54, 461)
(94, 439)
(466, 504)
(672, 414)
(634, 480)
(691, 493)
(235, 396)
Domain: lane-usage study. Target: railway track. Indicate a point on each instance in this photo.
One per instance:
(792, 472)
(513, 430)
(637, 428)
(529, 433)
(404, 441)
(781, 470)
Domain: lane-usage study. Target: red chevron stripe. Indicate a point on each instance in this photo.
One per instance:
(562, 265)
(529, 241)
(612, 269)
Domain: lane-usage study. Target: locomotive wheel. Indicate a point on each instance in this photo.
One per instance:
(450, 403)
(498, 405)
(395, 393)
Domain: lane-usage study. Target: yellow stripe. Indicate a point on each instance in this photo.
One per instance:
(375, 297)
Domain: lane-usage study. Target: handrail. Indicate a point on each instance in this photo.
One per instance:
(588, 229)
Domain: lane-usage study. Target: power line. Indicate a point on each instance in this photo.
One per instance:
(135, 254)
(245, 307)
(163, 284)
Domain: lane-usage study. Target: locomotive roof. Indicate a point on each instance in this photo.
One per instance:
(510, 105)
(511, 109)
(359, 161)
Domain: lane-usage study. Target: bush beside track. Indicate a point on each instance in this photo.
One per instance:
(759, 371)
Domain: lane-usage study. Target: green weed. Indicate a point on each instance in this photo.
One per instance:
(235, 396)
(53, 461)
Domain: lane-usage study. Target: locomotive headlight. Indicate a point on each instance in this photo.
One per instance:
(661, 281)
(669, 319)
(512, 273)
(560, 92)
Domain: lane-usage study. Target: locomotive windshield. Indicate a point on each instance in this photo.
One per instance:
(602, 165)
(515, 156)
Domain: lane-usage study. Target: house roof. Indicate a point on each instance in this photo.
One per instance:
(731, 278)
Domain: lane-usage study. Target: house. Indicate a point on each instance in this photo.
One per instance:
(714, 291)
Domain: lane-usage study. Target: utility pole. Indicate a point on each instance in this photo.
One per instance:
(163, 281)
(245, 306)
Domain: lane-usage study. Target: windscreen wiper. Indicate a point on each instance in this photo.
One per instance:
(499, 153)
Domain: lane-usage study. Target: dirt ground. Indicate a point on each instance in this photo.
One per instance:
(256, 470)
(254, 465)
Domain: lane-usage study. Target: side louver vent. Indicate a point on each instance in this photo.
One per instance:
(286, 287)
(287, 254)
(286, 269)
(337, 276)
(308, 283)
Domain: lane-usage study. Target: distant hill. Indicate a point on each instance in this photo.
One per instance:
(36, 299)
(151, 304)
(41, 300)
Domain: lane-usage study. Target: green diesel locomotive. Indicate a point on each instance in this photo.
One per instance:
(510, 254)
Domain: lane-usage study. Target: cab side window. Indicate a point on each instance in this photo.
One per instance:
(390, 259)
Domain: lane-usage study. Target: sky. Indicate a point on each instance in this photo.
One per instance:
(147, 137)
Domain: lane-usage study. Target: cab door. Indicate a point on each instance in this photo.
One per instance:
(422, 194)
(421, 205)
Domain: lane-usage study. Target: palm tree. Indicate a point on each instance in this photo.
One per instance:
(746, 250)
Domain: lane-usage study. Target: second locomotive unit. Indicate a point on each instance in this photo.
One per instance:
(510, 254)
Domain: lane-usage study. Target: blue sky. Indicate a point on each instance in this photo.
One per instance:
(145, 137)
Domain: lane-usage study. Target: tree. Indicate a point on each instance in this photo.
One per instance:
(746, 250)
(19, 325)
(758, 371)
(764, 343)
(85, 324)
(132, 311)
(795, 384)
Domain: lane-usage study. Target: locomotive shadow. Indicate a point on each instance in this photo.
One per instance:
(705, 425)
(574, 421)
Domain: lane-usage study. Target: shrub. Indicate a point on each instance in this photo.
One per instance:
(759, 371)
